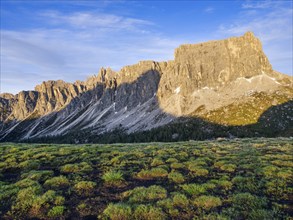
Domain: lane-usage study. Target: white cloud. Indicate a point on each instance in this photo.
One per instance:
(274, 25)
(260, 4)
(23, 50)
(86, 20)
(209, 10)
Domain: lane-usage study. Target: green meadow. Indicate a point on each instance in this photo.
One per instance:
(219, 179)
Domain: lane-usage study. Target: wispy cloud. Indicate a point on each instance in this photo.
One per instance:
(78, 49)
(270, 26)
(209, 10)
(73, 42)
(260, 4)
(86, 20)
(28, 52)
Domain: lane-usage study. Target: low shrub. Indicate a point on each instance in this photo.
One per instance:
(225, 185)
(165, 204)
(119, 211)
(82, 167)
(148, 212)
(198, 171)
(245, 206)
(151, 174)
(7, 196)
(29, 165)
(113, 178)
(278, 189)
(38, 175)
(56, 212)
(207, 202)
(85, 188)
(283, 163)
(270, 171)
(24, 183)
(194, 189)
(180, 200)
(177, 165)
(222, 185)
(176, 177)
(44, 202)
(228, 168)
(209, 186)
(172, 160)
(24, 201)
(84, 209)
(157, 161)
(59, 182)
(143, 194)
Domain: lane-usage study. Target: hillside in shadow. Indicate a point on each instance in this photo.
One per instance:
(131, 112)
(185, 129)
(89, 110)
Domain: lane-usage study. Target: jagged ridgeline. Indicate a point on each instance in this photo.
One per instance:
(218, 88)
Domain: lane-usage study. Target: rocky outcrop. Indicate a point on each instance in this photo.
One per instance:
(48, 97)
(208, 67)
(225, 60)
(204, 81)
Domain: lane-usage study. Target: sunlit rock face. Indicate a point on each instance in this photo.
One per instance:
(228, 82)
(205, 74)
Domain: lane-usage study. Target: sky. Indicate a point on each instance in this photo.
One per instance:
(71, 40)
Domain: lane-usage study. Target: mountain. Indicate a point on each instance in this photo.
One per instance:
(217, 88)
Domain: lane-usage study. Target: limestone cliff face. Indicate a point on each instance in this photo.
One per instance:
(209, 66)
(48, 97)
(53, 95)
(204, 80)
(225, 60)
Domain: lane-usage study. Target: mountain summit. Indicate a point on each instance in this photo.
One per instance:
(217, 88)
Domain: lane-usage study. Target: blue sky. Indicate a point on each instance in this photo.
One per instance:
(71, 40)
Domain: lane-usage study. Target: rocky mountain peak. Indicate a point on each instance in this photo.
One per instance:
(225, 60)
(107, 76)
(249, 35)
(6, 96)
(204, 80)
